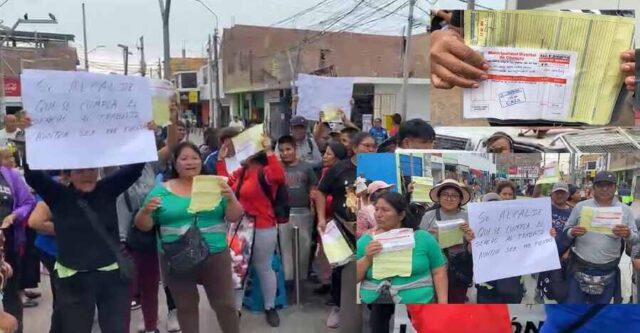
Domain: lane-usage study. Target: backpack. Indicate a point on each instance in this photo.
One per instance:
(280, 203)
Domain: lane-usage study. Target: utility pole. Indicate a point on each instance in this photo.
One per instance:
(143, 64)
(125, 56)
(216, 68)
(471, 4)
(159, 68)
(165, 9)
(212, 114)
(86, 46)
(406, 61)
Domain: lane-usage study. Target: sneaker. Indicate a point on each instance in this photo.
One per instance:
(334, 318)
(272, 317)
(135, 305)
(172, 321)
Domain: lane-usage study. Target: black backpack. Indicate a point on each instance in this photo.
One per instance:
(280, 203)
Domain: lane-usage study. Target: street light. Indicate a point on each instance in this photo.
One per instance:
(25, 20)
(95, 48)
(213, 72)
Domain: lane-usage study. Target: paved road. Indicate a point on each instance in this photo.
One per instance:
(309, 318)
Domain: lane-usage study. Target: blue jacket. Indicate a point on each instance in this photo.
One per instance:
(613, 318)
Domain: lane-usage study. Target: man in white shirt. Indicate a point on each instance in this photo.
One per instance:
(10, 129)
(236, 123)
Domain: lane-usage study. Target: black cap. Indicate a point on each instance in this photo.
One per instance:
(298, 121)
(604, 177)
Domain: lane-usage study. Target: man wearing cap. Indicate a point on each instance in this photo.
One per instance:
(306, 148)
(593, 273)
(552, 284)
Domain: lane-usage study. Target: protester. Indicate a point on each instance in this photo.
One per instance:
(301, 180)
(182, 131)
(428, 280)
(397, 121)
(167, 207)
(346, 137)
(211, 142)
(416, 134)
(593, 273)
(339, 183)
(334, 153)
(224, 136)
(378, 132)
(237, 123)
(16, 203)
(88, 272)
(552, 284)
(625, 194)
(499, 143)
(10, 130)
(574, 196)
(451, 197)
(246, 184)
(366, 220)
(306, 148)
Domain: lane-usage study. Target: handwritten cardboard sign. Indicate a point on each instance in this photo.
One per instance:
(512, 239)
(327, 94)
(87, 120)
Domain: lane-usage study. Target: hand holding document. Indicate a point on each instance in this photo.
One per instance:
(161, 93)
(549, 65)
(335, 246)
(449, 233)
(397, 254)
(248, 143)
(205, 194)
(422, 187)
(600, 219)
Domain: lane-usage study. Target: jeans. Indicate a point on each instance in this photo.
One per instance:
(264, 246)
(576, 296)
(78, 296)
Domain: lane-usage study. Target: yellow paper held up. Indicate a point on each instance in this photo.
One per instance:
(600, 220)
(248, 143)
(331, 113)
(392, 263)
(421, 189)
(161, 94)
(335, 246)
(449, 233)
(205, 194)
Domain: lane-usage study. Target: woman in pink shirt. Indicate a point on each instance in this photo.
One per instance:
(365, 218)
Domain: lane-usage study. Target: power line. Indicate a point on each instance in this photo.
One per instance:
(302, 12)
(5, 2)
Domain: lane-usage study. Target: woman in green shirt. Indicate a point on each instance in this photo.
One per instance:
(167, 208)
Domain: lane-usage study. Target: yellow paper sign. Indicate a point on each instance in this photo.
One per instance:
(205, 194)
(600, 220)
(331, 113)
(334, 245)
(449, 233)
(421, 189)
(392, 263)
(193, 97)
(161, 93)
(248, 143)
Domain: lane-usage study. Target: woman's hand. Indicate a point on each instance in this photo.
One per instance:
(469, 235)
(152, 205)
(226, 190)
(553, 232)
(152, 126)
(628, 67)
(453, 63)
(26, 120)
(224, 151)
(266, 142)
(6, 270)
(373, 248)
(8, 221)
(411, 187)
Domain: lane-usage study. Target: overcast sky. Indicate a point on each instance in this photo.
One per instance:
(112, 22)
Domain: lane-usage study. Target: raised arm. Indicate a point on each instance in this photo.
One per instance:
(121, 180)
(164, 154)
(273, 172)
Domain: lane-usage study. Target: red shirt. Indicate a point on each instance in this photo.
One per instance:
(460, 318)
(252, 198)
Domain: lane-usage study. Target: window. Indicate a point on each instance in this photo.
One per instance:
(188, 80)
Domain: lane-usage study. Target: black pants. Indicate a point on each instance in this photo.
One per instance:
(79, 295)
(49, 262)
(12, 302)
(336, 281)
(380, 317)
(171, 304)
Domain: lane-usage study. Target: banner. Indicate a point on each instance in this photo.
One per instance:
(512, 239)
(86, 120)
(316, 93)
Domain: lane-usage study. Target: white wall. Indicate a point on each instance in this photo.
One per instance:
(583, 4)
(417, 99)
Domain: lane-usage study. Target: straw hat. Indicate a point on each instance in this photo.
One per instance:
(433, 194)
